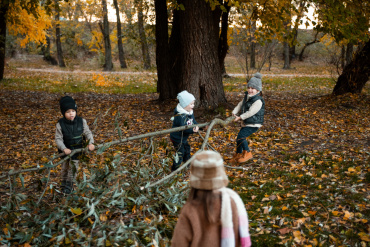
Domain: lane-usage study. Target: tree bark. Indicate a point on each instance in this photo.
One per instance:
(144, 44)
(121, 53)
(108, 66)
(165, 88)
(223, 46)
(46, 52)
(58, 35)
(355, 74)
(176, 52)
(4, 6)
(201, 72)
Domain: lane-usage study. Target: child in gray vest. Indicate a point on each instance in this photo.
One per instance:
(252, 109)
(69, 134)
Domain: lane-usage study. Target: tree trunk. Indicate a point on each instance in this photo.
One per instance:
(201, 72)
(121, 54)
(176, 52)
(46, 52)
(4, 6)
(108, 66)
(307, 45)
(58, 35)
(349, 53)
(286, 56)
(165, 88)
(355, 74)
(253, 45)
(144, 44)
(223, 45)
(342, 57)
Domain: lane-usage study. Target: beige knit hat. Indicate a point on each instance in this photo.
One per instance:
(207, 171)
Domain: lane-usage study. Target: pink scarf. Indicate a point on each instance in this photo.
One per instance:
(227, 232)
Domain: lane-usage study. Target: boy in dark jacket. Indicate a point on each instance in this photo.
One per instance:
(183, 115)
(68, 136)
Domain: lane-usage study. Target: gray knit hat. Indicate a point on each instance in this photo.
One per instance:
(185, 98)
(256, 82)
(207, 171)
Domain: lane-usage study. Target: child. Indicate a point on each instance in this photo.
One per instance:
(183, 115)
(213, 214)
(68, 136)
(252, 109)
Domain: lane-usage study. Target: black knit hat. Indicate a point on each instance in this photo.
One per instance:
(66, 103)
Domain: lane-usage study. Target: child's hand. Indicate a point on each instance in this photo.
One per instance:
(237, 119)
(67, 151)
(196, 129)
(91, 147)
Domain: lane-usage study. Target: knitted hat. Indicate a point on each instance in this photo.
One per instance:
(256, 82)
(66, 103)
(207, 171)
(185, 98)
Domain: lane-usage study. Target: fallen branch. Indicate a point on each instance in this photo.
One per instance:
(205, 141)
(108, 144)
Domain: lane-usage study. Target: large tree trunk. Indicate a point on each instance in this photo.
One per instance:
(349, 53)
(4, 6)
(46, 52)
(355, 74)
(223, 45)
(144, 44)
(107, 47)
(201, 72)
(58, 35)
(165, 88)
(121, 54)
(176, 52)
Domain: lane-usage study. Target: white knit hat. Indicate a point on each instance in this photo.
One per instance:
(207, 171)
(185, 98)
(256, 82)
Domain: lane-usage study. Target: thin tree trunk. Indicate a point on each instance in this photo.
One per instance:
(176, 52)
(252, 45)
(121, 54)
(165, 88)
(46, 52)
(201, 72)
(355, 74)
(223, 45)
(144, 44)
(286, 55)
(4, 6)
(307, 45)
(58, 35)
(108, 66)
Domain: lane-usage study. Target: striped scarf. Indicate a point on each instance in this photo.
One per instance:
(227, 232)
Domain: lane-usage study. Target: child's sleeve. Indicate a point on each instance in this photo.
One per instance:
(183, 233)
(59, 138)
(87, 132)
(255, 107)
(237, 108)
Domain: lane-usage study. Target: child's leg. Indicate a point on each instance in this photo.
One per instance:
(241, 141)
(186, 152)
(180, 150)
(69, 173)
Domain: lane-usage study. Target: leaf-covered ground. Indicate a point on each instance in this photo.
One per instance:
(307, 184)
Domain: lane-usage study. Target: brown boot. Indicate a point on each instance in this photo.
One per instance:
(245, 156)
(235, 158)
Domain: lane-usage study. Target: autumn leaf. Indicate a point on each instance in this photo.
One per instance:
(77, 211)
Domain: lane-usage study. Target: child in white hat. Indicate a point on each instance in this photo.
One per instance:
(213, 214)
(183, 115)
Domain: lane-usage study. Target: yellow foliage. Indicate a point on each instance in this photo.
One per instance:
(22, 22)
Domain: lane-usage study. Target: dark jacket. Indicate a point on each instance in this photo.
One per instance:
(72, 133)
(258, 118)
(182, 119)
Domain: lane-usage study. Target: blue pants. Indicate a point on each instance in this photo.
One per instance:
(183, 151)
(241, 140)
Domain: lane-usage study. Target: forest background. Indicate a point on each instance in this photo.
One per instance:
(307, 184)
